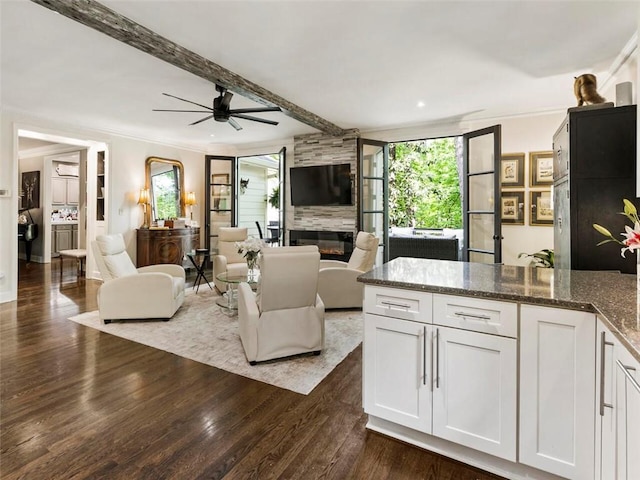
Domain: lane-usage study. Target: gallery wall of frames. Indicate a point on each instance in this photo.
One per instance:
(525, 188)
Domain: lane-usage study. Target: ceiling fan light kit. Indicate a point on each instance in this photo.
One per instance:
(222, 112)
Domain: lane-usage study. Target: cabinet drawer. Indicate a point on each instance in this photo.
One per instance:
(393, 302)
(487, 316)
(63, 227)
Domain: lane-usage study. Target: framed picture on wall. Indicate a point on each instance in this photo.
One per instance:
(512, 208)
(512, 170)
(30, 190)
(541, 208)
(541, 166)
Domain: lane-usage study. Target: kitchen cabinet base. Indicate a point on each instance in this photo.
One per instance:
(474, 458)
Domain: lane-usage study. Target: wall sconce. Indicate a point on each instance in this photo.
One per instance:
(190, 201)
(143, 200)
(244, 183)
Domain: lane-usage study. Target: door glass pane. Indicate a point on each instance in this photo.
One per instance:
(372, 195)
(481, 257)
(481, 153)
(373, 161)
(481, 232)
(374, 223)
(481, 194)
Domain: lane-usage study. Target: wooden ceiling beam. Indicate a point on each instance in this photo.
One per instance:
(97, 16)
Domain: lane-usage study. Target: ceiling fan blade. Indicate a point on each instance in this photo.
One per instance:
(188, 101)
(234, 124)
(256, 110)
(253, 119)
(187, 111)
(202, 120)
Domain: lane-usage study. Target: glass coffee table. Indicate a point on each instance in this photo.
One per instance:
(228, 302)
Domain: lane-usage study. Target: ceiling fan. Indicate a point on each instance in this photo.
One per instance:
(221, 111)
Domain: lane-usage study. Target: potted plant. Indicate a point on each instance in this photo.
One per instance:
(274, 197)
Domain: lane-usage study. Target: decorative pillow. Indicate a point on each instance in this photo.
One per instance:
(120, 265)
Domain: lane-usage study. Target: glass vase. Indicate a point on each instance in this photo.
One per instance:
(252, 264)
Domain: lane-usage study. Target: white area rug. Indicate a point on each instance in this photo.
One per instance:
(200, 332)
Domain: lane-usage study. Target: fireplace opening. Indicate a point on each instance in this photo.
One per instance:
(332, 245)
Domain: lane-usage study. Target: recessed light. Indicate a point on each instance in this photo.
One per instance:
(421, 104)
(212, 135)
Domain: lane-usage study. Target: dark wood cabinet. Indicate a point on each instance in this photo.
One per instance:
(594, 170)
(166, 245)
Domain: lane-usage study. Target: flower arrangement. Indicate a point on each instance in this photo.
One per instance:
(631, 236)
(250, 249)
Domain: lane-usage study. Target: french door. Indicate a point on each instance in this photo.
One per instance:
(481, 204)
(373, 193)
(220, 197)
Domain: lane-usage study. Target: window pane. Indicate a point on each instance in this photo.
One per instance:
(481, 232)
(481, 154)
(373, 161)
(481, 194)
(372, 195)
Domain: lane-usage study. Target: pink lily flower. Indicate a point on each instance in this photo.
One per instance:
(632, 239)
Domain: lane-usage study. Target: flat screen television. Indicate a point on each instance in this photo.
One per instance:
(321, 185)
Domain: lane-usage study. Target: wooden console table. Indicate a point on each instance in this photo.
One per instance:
(166, 246)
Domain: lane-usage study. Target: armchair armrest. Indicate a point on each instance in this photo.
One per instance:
(154, 282)
(248, 319)
(339, 288)
(219, 264)
(145, 295)
(332, 264)
(170, 269)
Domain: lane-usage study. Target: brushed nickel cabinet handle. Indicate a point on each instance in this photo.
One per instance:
(603, 344)
(424, 355)
(437, 358)
(399, 305)
(472, 315)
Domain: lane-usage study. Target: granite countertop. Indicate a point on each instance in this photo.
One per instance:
(612, 295)
(64, 222)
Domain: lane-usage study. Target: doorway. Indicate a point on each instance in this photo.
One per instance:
(260, 206)
(67, 198)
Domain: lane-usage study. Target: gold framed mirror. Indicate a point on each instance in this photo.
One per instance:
(164, 179)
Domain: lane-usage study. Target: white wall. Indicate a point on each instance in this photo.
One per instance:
(126, 171)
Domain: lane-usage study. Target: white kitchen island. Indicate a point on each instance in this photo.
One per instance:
(523, 372)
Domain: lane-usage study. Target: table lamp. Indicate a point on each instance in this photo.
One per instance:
(191, 201)
(143, 200)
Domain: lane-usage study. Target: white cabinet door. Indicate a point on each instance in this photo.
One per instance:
(557, 391)
(396, 378)
(605, 455)
(73, 191)
(475, 390)
(58, 191)
(628, 415)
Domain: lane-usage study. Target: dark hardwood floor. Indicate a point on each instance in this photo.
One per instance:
(77, 403)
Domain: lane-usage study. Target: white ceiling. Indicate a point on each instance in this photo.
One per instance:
(358, 64)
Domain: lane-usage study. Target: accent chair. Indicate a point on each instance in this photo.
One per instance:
(338, 285)
(154, 291)
(228, 258)
(286, 315)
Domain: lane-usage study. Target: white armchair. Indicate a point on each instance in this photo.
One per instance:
(228, 258)
(155, 291)
(337, 285)
(286, 316)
